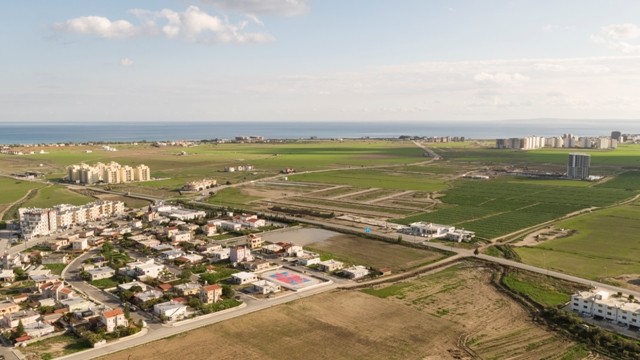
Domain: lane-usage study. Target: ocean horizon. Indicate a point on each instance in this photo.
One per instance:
(47, 132)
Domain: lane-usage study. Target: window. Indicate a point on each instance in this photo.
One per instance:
(576, 304)
(585, 307)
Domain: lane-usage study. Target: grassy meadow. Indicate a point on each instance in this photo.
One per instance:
(604, 245)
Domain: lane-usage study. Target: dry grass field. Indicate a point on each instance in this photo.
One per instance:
(453, 314)
(379, 254)
(490, 324)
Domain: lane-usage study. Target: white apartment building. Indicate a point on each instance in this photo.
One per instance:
(35, 221)
(111, 173)
(600, 303)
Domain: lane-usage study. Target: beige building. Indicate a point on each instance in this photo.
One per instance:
(111, 173)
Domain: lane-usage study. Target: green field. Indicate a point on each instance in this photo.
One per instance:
(502, 206)
(605, 245)
(385, 179)
(54, 195)
(629, 180)
(544, 290)
(231, 197)
(12, 190)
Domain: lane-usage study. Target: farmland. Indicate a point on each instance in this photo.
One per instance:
(498, 207)
(385, 179)
(629, 180)
(491, 324)
(603, 247)
(54, 195)
(425, 318)
(378, 254)
(13, 190)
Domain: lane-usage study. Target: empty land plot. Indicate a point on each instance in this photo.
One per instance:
(333, 325)
(385, 179)
(605, 244)
(493, 325)
(232, 197)
(378, 254)
(334, 191)
(377, 194)
(499, 207)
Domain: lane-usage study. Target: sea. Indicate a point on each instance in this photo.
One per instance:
(48, 132)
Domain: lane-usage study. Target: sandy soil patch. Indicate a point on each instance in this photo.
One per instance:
(548, 233)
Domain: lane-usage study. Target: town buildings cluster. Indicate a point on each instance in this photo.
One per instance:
(568, 141)
(111, 173)
(37, 221)
(437, 231)
(238, 168)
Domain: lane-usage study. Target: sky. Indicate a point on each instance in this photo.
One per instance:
(319, 60)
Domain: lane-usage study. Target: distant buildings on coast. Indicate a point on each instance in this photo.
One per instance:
(111, 173)
(567, 141)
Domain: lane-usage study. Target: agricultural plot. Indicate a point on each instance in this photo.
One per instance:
(378, 254)
(629, 180)
(603, 247)
(343, 206)
(489, 322)
(384, 179)
(369, 196)
(232, 197)
(498, 207)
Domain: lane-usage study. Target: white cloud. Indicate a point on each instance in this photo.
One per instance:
(622, 31)
(617, 36)
(97, 26)
(126, 62)
(556, 27)
(264, 7)
(193, 24)
(500, 78)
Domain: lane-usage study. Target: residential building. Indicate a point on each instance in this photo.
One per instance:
(104, 272)
(7, 276)
(8, 307)
(145, 296)
(602, 305)
(243, 277)
(355, 272)
(34, 222)
(148, 270)
(38, 329)
(170, 310)
(240, 254)
(430, 230)
(77, 304)
(81, 244)
(132, 284)
(265, 287)
(330, 265)
(188, 289)
(112, 319)
(578, 166)
(210, 229)
(181, 236)
(111, 173)
(210, 294)
(220, 255)
(254, 241)
(12, 320)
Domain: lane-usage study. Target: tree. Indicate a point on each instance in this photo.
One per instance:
(20, 329)
(185, 275)
(228, 292)
(127, 311)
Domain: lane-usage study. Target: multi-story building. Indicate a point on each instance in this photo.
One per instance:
(599, 303)
(210, 294)
(111, 173)
(578, 166)
(113, 319)
(35, 221)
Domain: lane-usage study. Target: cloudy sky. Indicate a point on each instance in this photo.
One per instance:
(319, 60)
